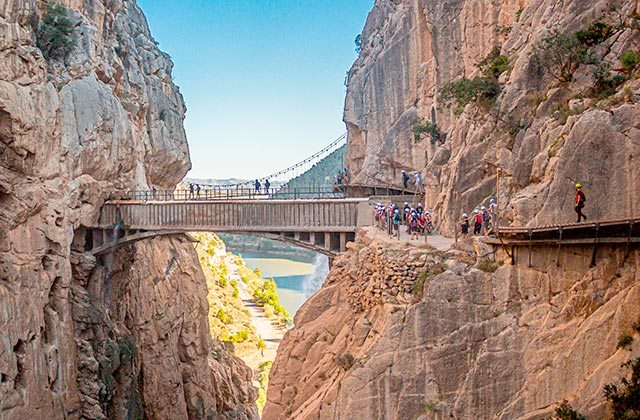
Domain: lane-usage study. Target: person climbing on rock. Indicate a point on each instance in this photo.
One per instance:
(580, 200)
(477, 222)
(257, 185)
(464, 225)
(267, 185)
(405, 180)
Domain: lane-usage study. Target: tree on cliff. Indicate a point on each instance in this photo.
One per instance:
(625, 398)
(53, 36)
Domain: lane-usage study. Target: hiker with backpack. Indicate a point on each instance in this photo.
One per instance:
(486, 220)
(413, 224)
(477, 222)
(405, 180)
(580, 200)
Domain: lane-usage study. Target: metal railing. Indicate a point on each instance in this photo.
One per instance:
(237, 193)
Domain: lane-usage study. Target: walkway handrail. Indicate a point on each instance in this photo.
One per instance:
(238, 193)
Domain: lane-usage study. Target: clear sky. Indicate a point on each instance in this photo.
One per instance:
(263, 80)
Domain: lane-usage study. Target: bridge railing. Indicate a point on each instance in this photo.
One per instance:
(237, 193)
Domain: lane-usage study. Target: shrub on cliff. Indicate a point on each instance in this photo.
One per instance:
(625, 397)
(421, 126)
(345, 361)
(564, 411)
(266, 295)
(561, 55)
(53, 35)
(481, 91)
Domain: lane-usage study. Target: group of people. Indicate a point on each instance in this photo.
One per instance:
(417, 181)
(342, 177)
(257, 185)
(416, 219)
(194, 190)
(482, 220)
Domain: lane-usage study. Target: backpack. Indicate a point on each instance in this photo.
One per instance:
(486, 216)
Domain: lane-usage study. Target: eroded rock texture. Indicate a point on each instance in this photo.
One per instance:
(125, 335)
(411, 48)
(464, 343)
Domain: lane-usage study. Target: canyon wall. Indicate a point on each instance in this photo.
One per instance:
(403, 332)
(412, 48)
(119, 336)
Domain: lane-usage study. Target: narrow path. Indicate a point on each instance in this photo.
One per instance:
(441, 243)
(267, 329)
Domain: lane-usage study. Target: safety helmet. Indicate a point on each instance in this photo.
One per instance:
(476, 211)
(465, 215)
(406, 203)
(578, 185)
(493, 200)
(419, 205)
(483, 208)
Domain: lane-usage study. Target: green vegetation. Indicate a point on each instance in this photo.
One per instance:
(562, 112)
(266, 295)
(358, 42)
(345, 361)
(629, 61)
(605, 84)
(624, 341)
(421, 126)
(595, 33)
(53, 34)
(636, 326)
(564, 411)
(482, 90)
(263, 379)
(561, 55)
(494, 64)
(321, 174)
(223, 316)
(625, 397)
(488, 266)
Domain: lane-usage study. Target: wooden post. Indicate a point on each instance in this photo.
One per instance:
(343, 241)
(327, 241)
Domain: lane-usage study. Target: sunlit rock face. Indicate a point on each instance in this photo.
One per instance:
(382, 341)
(123, 335)
(411, 49)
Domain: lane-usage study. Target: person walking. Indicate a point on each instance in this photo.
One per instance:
(477, 222)
(486, 220)
(405, 180)
(396, 223)
(418, 182)
(413, 224)
(257, 185)
(198, 190)
(190, 190)
(267, 185)
(464, 226)
(580, 200)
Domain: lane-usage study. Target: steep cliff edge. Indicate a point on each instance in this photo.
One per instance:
(543, 134)
(400, 332)
(85, 114)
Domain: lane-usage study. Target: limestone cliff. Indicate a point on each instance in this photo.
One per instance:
(412, 48)
(402, 332)
(124, 335)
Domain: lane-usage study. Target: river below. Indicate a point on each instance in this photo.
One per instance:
(296, 280)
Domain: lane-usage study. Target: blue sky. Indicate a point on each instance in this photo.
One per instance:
(263, 80)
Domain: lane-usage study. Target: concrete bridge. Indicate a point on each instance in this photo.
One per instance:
(323, 225)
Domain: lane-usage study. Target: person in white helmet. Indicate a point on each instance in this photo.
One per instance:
(486, 220)
(418, 181)
(477, 222)
(464, 225)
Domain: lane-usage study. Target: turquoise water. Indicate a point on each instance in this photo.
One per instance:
(293, 290)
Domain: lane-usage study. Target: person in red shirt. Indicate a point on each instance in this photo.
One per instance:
(580, 200)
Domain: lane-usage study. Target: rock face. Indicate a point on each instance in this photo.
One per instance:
(124, 335)
(463, 342)
(412, 48)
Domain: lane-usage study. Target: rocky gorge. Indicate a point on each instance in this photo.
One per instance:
(88, 109)
(513, 99)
